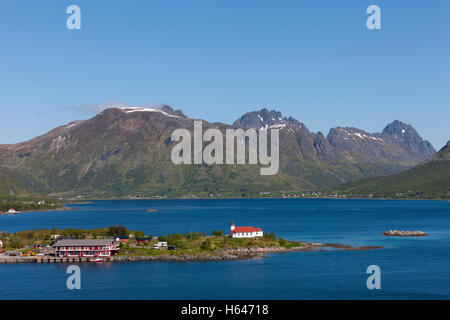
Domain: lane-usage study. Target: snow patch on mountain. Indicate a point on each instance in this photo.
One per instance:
(142, 109)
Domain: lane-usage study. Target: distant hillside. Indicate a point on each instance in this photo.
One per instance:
(430, 179)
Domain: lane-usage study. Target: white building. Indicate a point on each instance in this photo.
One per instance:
(245, 232)
(1, 244)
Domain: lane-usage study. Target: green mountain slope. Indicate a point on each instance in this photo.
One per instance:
(430, 179)
(11, 188)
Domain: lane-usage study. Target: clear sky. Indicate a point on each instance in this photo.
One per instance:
(215, 60)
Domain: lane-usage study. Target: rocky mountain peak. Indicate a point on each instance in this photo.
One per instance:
(406, 137)
(400, 130)
(171, 111)
(264, 119)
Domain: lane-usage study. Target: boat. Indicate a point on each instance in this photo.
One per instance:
(96, 260)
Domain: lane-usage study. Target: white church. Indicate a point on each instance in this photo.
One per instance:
(245, 232)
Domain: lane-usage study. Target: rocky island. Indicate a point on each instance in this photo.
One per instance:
(398, 233)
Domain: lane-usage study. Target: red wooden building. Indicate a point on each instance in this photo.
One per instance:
(85, 248)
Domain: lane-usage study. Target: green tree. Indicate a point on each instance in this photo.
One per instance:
(117, 231)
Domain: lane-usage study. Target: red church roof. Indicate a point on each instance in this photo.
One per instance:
(245, 229)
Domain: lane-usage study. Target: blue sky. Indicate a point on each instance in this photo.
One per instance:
(215, 60)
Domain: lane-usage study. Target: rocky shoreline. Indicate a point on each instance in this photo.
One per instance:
(224, 255)
(229, 254)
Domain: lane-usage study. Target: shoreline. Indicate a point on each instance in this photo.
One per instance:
(224, 255)
(64, 208)
(255, 198)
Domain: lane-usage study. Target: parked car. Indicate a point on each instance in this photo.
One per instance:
(171, 247)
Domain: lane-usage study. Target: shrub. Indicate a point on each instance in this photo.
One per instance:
(206, 245)
(180, 244)
(270, 236)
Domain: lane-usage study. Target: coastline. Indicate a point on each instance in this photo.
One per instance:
(64, 208)
(223, 255)
(255, 198)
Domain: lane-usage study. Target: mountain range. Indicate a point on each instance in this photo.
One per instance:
(124, 152)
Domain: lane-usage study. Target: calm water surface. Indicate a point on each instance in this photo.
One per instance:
(412, 268)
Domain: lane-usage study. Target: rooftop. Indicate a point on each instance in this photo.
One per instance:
(245, 229)
(83, 242)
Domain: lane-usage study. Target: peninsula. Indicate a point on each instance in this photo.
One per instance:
(116, 244)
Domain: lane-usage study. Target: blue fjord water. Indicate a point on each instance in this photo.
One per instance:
(411, 268)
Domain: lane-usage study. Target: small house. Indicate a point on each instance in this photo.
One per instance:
(143, 240)
(122, 239)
